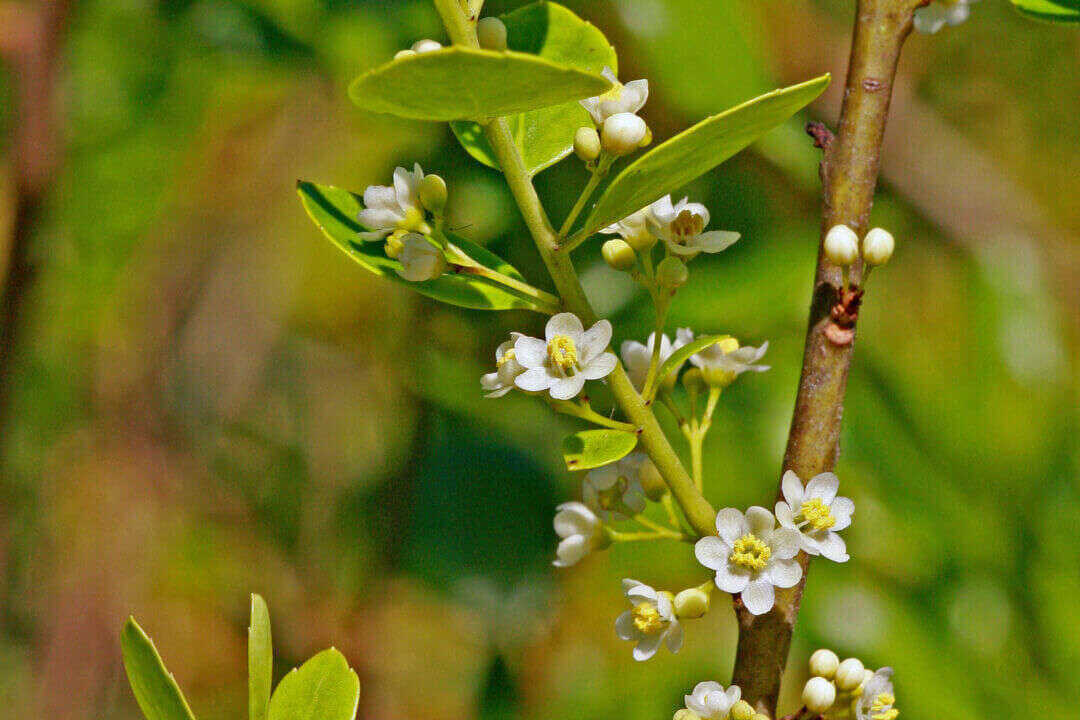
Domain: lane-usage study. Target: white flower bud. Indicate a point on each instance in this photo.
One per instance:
(685, 714)
(849, 674)
(433, 193)
(491, 32)
(424, 46)
(867, 674)
(420, 260)
(692, 603)
(622, 133)
(618, 255)
(404, 54)
(823, 663)
(587, 144)
(878, 246)
(841, 245)
(742, 710)
(818, 695)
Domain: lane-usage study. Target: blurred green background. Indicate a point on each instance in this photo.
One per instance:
(208, 399)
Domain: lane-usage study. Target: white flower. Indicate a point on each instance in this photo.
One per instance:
(877, 698)
(579, 530)
(628, 98)
(940, 13)
(682, 228)
(816, 513)
(420, 259)
(634, 229)
(394, 209)
(622, 134)
(636, 357)
(751, 556)
(724, 361)
(649, 621)
(507, 368)
(710, 701)
(614, 490)
(567, 357)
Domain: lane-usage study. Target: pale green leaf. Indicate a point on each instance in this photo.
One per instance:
(676, 359)
(1050, 10)
(545, 136)
(155, 688)
(260, 660)
(335, 211)
(460, 83)
(323, 688)
(593, 448)
(696, 151)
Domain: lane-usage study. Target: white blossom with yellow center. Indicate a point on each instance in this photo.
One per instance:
(710, 701)
(877, 698)
(614, 491)
(721, 363)
(682, 228)
(579, 531)
(751, 556)
(394, 209)
(628, 98)
(940, 13)
(650, 620)
(816, 513)
(567, 357)
(507, 368)
(634, 229)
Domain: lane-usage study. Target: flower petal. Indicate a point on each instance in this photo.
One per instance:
(711, 552)
(833, 547)
(731, 525)
(792, 488)
(565, 388)
(563, 324)
(841, 509)
(759, 597)
(534, 380)
(571, 550)
(715, 241)
(761, 521)
(731, 578)
(784, 543)
(823, 486)
(784, 515)
(595, 340)
(674, 637)
(530, 352)
(624, 626)
(785, 573)
(599, 367)
(647, 646)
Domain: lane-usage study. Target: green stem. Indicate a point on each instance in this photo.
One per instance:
(641, 519)
(617, 536)
(696, 445)
(669, 403)
(587, 413)
(598, 173)
(544, 301)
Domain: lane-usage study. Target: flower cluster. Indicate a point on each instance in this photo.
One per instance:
(839, 690)
(710, 701)
(680, 225)
(939, 13)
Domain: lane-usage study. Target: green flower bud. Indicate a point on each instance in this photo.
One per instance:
(686, 714)
(693, 603)
(618, 255)
(672, 273)
(491, 32)
(742, 710)
(433, 193)
(587, 144)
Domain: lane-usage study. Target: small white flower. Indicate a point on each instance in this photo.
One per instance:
(636, 357)
(579, 532)
(507, 368)
(724, 361)
(634, 229)
(628, 98)
(614, 491)
(567, 357)
(816, 513)
(650, 620)
(940, 13)
(420, 259)
(394, 209)
(710, 701)
(682, 228)
(751, 556)
(877, 698)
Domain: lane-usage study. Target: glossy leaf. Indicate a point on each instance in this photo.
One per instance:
(155, 688)
(1050, 10)
(593, 448)
(323, 688)
(460, 83)
(260, 660)
(335, 211)
(676, 359)
(696, 151)
(545, 136)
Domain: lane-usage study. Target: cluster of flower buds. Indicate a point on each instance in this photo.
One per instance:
(710, 701)
(618, 130)
(842, 246)
(841, 690)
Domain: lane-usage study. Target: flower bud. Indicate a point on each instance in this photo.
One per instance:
(686, 714)
(618, 255)
(404, 54)
(652, 482)
(587, 144)
(841, 245)
(672, 273)
(622, 133)
(693, 603)
(849, 674)
(420, 260)
(425, 46)
(878, 246)
(393, 246)
(742, 710)
(693, 380)
(433, 193)
(491, 32)
(818, 695)
(823, 663)
(647, 140)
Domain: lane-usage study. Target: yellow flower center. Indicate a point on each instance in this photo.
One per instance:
(611, 498)
(815, 513)
(562, 354)
(750, 553)
(687, 225)
(507, 357)
(647, 618)
(414, 220)
(881, 708)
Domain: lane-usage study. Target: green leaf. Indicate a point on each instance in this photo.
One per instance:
(335, 211)
(696, 151)
(323, 688)
(155, 688)
(461, 83)
(676, 359)
(1050, 10)
(545, 136)
(593, 448)
(260, 660)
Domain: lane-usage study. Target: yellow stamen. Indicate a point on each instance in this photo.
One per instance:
(687, 225)
(816, 514)
(881, 708)
(563, 354)
(507, 357)
(750, 553)
(647, 618)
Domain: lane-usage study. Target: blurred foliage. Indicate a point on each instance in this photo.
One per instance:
(211, 401)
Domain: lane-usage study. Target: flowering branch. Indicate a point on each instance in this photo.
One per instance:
(849, 175)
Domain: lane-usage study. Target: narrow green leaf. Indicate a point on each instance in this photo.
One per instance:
(545, 136)
(696, 151)
(260, 660)
(460, 83)
(593, 448)
(1067, 11)
(335, 211)
(155, 688)
(676, 359)
(323, 688)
